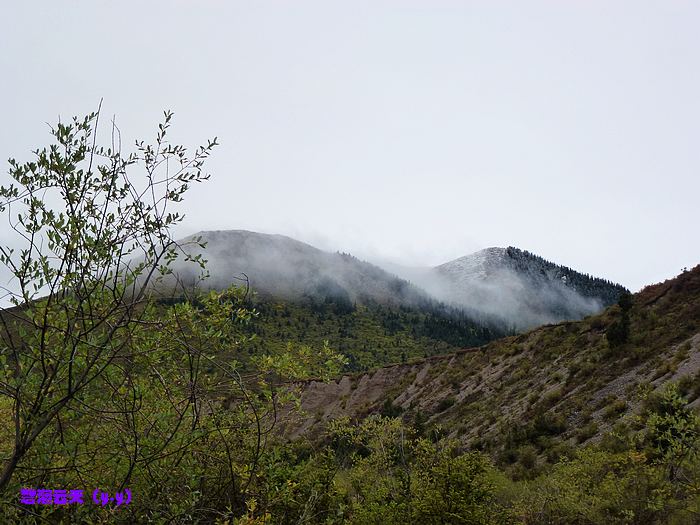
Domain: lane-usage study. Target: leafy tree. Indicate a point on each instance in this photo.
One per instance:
(596, 487)
(393, 476)
(625, 302)
(104, 385)
(673, 430)
(94, 240)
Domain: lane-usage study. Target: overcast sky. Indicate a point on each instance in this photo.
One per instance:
(415, 132)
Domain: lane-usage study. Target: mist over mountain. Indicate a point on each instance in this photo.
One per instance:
(284, 268)
(508, 287)
(516, 286)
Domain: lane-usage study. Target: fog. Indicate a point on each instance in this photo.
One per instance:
(282, 268)
(508, 296)
(278, 267)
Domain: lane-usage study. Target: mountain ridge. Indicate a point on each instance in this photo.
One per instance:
(286, 268)
(505, 287)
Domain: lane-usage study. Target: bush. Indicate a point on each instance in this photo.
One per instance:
(615, 409)
(618, 332)
(587, 432)
(445, 403)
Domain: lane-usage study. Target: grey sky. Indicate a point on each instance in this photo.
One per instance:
(410, 131)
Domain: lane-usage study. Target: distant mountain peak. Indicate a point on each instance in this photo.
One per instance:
(520, 287)
(476, 265)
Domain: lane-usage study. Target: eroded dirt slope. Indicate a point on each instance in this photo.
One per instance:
(566, 381)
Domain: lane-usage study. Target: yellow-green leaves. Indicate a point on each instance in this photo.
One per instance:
(303, 362)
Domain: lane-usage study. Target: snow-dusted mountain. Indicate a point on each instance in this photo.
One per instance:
(511, 287)
(522, 289)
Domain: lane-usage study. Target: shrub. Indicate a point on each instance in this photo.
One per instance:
(445, 403)
(615, 409)
(587, 432)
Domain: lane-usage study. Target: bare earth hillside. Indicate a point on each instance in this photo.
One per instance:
(559, 384)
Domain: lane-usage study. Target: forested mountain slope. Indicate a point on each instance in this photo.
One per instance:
(368, 335)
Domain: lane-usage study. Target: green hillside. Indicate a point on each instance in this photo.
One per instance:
(368, 335)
